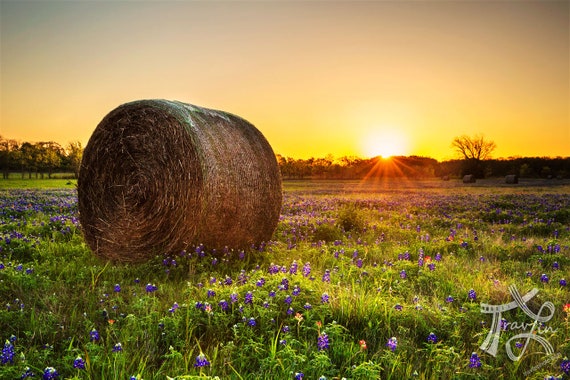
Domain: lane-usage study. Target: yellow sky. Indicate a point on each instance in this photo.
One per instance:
(345, 78)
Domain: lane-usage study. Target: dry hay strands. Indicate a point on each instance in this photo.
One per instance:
(159, 176)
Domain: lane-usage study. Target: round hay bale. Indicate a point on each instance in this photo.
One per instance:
(159, 176)
(511, 179)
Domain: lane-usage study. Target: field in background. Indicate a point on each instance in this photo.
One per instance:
(363, 280)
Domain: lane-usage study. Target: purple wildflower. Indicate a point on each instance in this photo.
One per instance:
(392, 344)
(327, 276)
(562, 282)
(432, 338)
(210, 293)
(224, 305)
(94, 335)
(307, 269)
(544, 278)
(474, 361)
(293, 268)
(8, 353)
(233, 297)
(325, 298)
(201, 361)
(251, 322)
(403, 273)
(323, 342)
(117, 288)
(117, 347)
(449, 299)
(27, 373)
(50, 373)
(79, 363)
(472, 294)
(299, 376)
(565, 366)
(260, 282)
(248, 298)
(398, 307)
(150, 288)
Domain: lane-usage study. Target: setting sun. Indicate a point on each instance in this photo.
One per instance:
(385, 143)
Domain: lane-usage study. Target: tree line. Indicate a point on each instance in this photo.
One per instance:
(39, 158)
(421, 167)
(45, 158)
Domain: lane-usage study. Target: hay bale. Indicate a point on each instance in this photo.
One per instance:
(160, 176)
(512, 179)
(469, 178)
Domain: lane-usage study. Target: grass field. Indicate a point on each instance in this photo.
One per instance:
(375, 280)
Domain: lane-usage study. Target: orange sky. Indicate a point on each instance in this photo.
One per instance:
(345, 78)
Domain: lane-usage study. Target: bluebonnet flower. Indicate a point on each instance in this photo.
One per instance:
(288, 300)
(327, 276)
(432, 338)
(50, 373)
(307, 306)
(150, 288)
(79, 363)
(251, 322)
(296, 290)
(438, 256)
(474, 361)
(210, 293)
(562, 282)
(555, 265)
(565, 366)
(472, 294)
(299, 376)
(403, 273)
(503, 324)
(201, 361)
(307, 269)
(398, 307)
(27, 373)
(260, 282)
(284, 284)
(117, 288)
(8, 353)
(323, 341)
(325, 298)
(293, 268)
(529, 274)
(283, 342)
(544, 278)
(224, 305)
(285, 329)
(271, 294)
(233, 297)
(212, 280)
(449, 299)
(228, 280)
(431, 266)
(94, 335)
(117, 347)
(359, 262)
(392, 344)
(174, 307)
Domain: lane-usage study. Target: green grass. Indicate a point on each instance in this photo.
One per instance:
(334, 271)
(53, 183)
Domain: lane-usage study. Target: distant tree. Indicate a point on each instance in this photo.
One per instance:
(8, 155)
(474, 150)
(74, 154)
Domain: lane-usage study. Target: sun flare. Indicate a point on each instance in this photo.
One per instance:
(385, 143)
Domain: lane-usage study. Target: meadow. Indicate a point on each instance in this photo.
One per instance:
(375, 280)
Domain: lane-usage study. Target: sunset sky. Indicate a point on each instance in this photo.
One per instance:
(316, 78)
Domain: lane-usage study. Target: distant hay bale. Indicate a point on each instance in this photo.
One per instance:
(512, 179)
(469, 178)
(159, 176)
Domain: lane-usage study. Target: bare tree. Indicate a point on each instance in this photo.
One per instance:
(474, 148)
